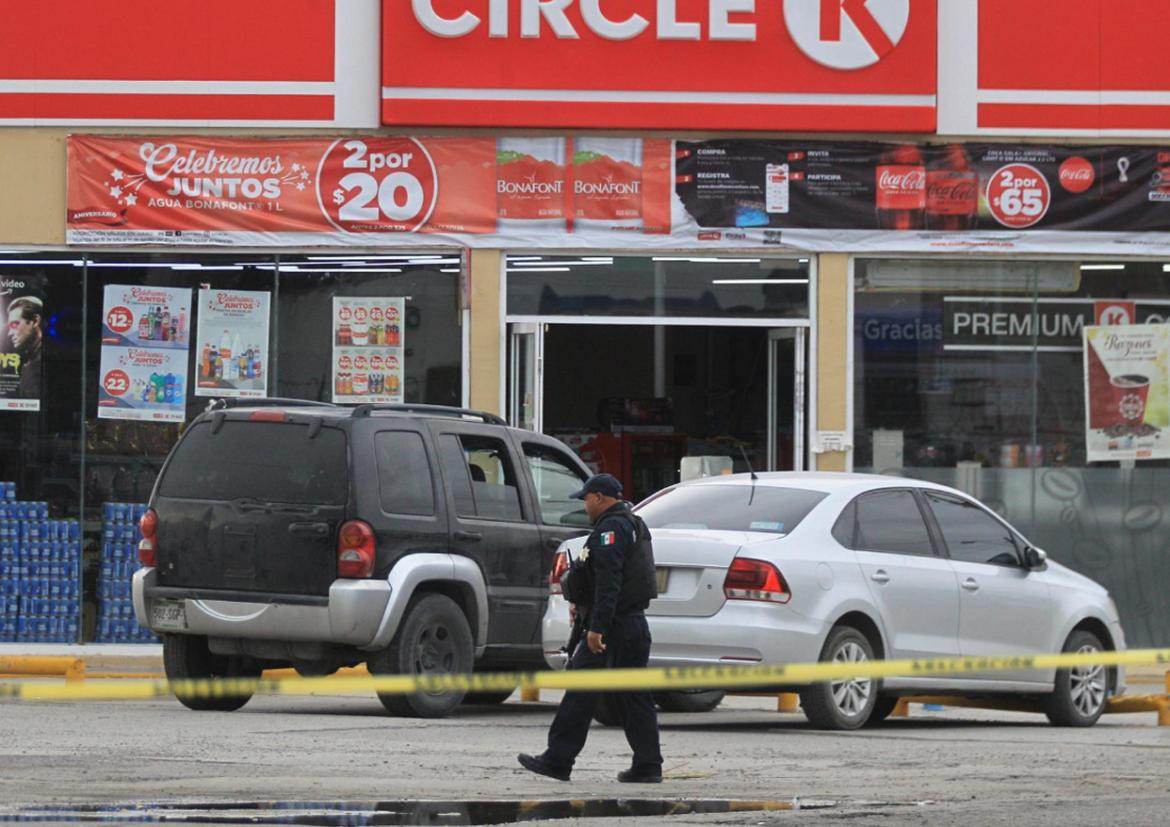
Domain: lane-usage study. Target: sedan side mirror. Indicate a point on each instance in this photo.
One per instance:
(1035, 559)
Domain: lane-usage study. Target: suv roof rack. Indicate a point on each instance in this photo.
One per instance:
(222, 403)
(432, 410)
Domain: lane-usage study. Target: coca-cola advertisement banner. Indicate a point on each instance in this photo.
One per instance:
(619, 193)
(940, 187)
(1127, 388)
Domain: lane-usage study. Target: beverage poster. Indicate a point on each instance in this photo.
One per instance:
(144, 353)
(22, 303)
(1127, 391)
(368, 347)
(231, 347)
(587, 192)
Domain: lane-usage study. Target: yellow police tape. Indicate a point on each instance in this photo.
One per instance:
(697, 677)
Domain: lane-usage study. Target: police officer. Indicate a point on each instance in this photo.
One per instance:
(622, 561)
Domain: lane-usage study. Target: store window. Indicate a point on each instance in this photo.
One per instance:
(972, 373)
(106, 357)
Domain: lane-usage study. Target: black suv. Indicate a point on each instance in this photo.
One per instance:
(416, 539)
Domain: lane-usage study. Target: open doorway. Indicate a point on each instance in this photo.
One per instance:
(644, 401)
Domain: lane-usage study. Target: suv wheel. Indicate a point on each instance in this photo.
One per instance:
(186, 658)
(689, 700)
(1078, 697)
(434, 639)
(845, 703)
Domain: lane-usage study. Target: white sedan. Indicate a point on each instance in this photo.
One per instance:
(801, 567)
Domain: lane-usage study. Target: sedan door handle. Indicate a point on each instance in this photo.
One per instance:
(880, 576)
(971, 585)
(468, 536)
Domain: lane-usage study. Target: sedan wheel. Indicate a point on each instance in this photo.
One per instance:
(1080, 692)
(846, 703)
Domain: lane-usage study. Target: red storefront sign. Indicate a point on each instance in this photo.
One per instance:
(818, 65)
(197, 62)
(1099, 65)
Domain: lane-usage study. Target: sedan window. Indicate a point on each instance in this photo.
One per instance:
(891, 521)
(971, 534)
(729, 508)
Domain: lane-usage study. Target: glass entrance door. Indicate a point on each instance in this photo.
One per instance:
(525, 346)
(635, 399)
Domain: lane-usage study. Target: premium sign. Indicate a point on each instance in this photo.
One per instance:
(824, 65)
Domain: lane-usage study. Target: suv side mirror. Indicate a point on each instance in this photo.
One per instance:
(1035, 559)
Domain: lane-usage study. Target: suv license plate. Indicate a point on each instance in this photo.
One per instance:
(168, 614)
(663, 576)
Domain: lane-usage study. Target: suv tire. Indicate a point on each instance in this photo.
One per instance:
(1080, 692)
(434, 638)
(186, 657)
(843, 704)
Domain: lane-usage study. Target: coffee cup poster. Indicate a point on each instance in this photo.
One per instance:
(368, 348)
(1127, 391)
(231, 347)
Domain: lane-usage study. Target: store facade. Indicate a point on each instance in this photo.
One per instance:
(594, 260)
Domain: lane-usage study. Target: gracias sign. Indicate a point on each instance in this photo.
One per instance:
(742, 64)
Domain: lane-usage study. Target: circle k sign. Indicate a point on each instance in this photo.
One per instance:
(847, 34)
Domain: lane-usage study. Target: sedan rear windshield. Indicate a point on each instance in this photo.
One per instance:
(265, 461)
(730, 508)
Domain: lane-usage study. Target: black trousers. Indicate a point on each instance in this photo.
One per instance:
(627, 646)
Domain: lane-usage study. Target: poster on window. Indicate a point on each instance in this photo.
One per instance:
(22, 300)
(231, 345)
(368, 342)
(1127, 391)
(145, 345)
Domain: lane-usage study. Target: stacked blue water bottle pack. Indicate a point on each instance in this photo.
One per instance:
(120, 536)
(40, 567)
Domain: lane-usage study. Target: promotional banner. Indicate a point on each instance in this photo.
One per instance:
(22, 300)
(368, 349)
(1127, 391)
(144, 353)
(232, 344)
(614, 193)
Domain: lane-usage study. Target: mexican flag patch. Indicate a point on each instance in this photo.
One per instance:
(608, 538)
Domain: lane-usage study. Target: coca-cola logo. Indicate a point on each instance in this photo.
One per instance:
(344, 362)
(910, 179)
(1077, 174)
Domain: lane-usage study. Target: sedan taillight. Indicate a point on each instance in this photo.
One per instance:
(560, 566)
(355, 550)
(749, 579)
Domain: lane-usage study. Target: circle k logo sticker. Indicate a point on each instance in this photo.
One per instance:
(847, 34)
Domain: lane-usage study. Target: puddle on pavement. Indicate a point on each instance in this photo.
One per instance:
(347, 814)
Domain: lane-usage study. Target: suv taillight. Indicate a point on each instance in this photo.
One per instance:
(148, 525)
(355, 550)
(560, 566)
(749, 579)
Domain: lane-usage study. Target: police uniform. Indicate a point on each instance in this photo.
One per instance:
(622, 563)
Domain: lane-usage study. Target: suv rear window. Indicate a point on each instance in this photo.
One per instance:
(266, 461)
(730, 508)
